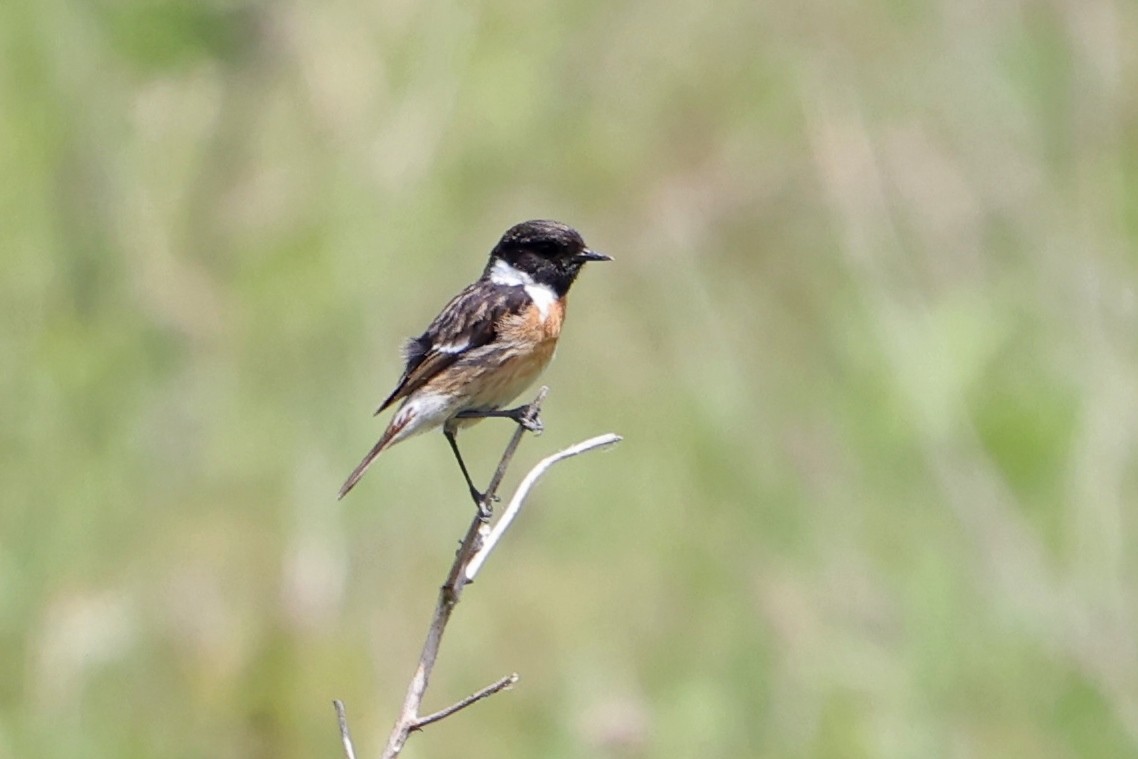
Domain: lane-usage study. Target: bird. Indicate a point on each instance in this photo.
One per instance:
(488, 344)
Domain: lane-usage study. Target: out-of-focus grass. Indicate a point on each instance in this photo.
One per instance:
(870, 337)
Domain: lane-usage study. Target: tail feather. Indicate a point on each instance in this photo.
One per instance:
(389, 436)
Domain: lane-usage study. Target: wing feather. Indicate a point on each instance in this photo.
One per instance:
(470, 320)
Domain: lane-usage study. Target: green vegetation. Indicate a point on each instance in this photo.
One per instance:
(870, 337)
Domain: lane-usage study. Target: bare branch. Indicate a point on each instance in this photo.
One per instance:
(479, 540)
(345, 736)
(522, 493)
(505, 683)
(449, 595)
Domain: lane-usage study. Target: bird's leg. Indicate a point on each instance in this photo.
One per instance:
(527, 416)
(480, 500)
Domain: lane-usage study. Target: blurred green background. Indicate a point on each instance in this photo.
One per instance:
(870, 337)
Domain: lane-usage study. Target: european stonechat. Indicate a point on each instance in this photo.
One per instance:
(489, 343)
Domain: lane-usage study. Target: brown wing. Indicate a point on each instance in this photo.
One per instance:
(469, 321)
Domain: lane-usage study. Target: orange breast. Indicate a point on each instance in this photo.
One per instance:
(531, 328)
(525, 345)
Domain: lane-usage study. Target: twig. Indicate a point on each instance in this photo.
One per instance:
(503, 684)
(515, 505)
(475, 547)
(345, 736)
(471, 541)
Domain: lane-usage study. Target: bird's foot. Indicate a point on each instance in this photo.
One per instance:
(527, 416)
(484, 503)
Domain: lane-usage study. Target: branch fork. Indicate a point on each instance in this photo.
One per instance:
(479, 541)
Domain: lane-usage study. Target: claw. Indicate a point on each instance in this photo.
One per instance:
(485, 511)
(484, 503)
(532, 423)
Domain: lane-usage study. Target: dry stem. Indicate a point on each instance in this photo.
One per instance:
(477, 544)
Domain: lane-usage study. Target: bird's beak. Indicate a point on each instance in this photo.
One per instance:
(592, 255)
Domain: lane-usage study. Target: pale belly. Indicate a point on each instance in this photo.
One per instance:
(507, 381)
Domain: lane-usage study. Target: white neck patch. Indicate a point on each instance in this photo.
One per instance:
(502, 273)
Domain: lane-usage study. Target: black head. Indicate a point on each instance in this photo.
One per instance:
(549, 252)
